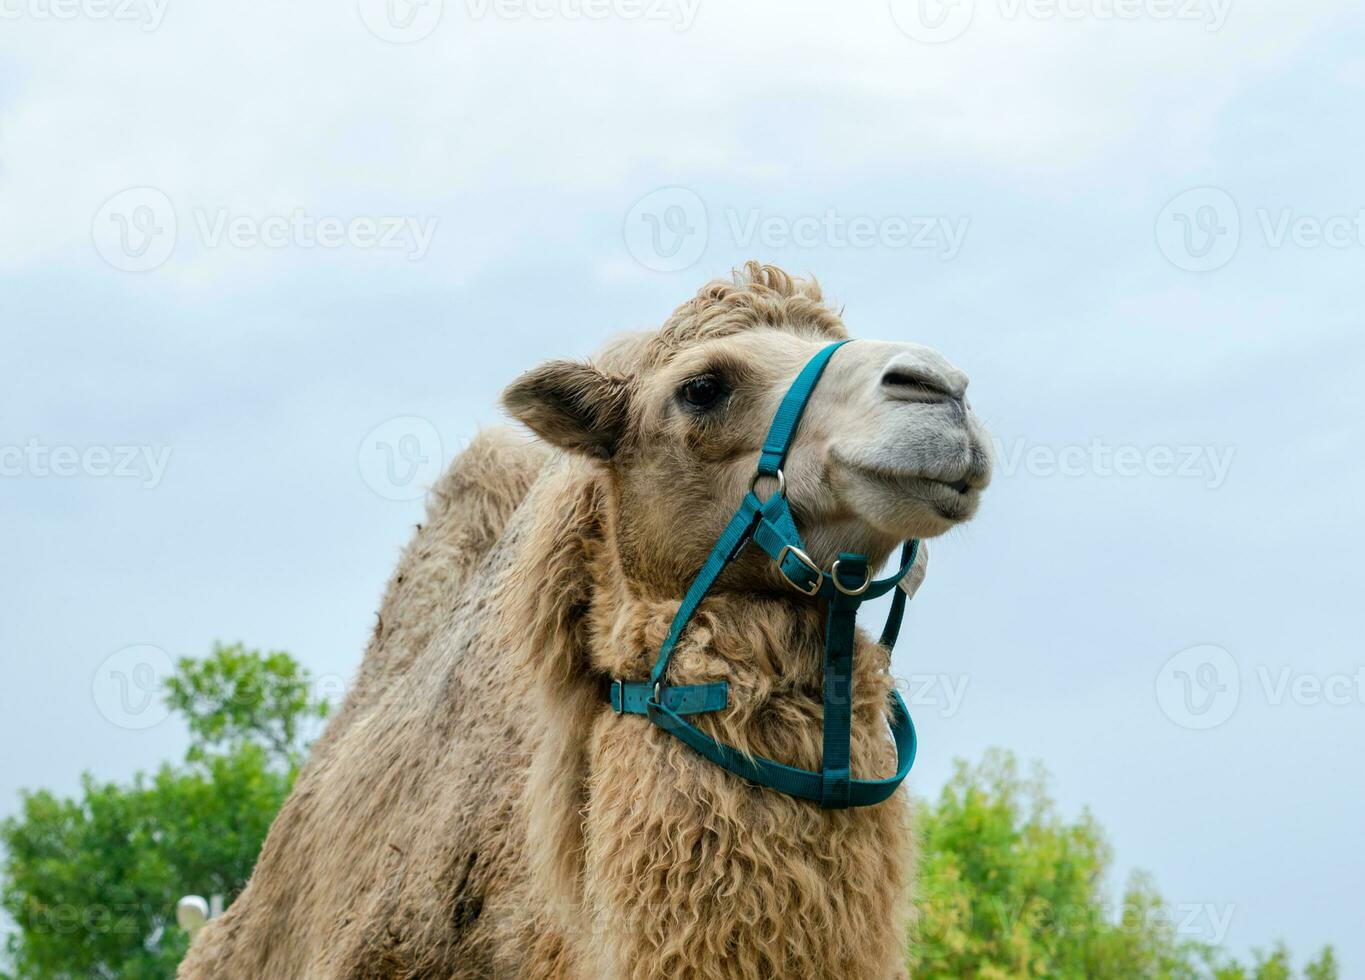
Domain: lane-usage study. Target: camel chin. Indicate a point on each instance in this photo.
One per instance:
(920, 493)
(906, 506)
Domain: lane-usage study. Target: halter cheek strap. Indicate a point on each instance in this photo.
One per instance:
(845, 587)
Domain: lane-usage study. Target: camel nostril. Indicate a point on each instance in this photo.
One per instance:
(914, 385)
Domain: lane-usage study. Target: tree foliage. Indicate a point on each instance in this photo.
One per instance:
(239, 696)
(1008, 889)
(92, 882)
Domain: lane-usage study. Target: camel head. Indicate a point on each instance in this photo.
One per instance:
(888, 448)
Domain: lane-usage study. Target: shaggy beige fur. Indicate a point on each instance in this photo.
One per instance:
(476, 810)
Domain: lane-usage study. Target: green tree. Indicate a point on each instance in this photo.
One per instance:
(239, 696)
(91, 883)
(1009, 889)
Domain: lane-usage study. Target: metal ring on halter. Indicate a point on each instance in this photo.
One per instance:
(781, 482)
(834, 574)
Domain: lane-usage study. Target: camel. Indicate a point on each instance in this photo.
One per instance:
(478, 810)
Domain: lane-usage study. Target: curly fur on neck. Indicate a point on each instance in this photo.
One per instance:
(658, 863)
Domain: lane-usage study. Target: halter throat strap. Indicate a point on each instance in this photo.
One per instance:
(843, 588)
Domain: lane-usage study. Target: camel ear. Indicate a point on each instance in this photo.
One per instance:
(571, 405)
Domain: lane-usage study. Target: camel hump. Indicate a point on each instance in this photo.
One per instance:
(467, 510)
(470, 504)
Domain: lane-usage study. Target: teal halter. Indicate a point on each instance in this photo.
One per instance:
(846, 586)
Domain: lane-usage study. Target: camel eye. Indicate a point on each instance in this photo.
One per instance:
(702, 392)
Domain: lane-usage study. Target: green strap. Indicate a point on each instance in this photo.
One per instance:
(630, 697)
(892, 628)
(787, 779)
(727, 547)
(835, 771)
(788, 415)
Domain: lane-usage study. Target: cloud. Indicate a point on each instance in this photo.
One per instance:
(498, 124)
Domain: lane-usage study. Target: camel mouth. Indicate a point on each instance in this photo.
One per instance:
(955, 500)
(903, 498)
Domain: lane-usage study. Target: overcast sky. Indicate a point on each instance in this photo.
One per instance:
(264, 267)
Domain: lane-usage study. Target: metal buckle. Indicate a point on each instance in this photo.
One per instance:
(804, 559)
(834, 574)
(618, 687)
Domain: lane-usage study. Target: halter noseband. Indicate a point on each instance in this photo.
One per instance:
(846, 586)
